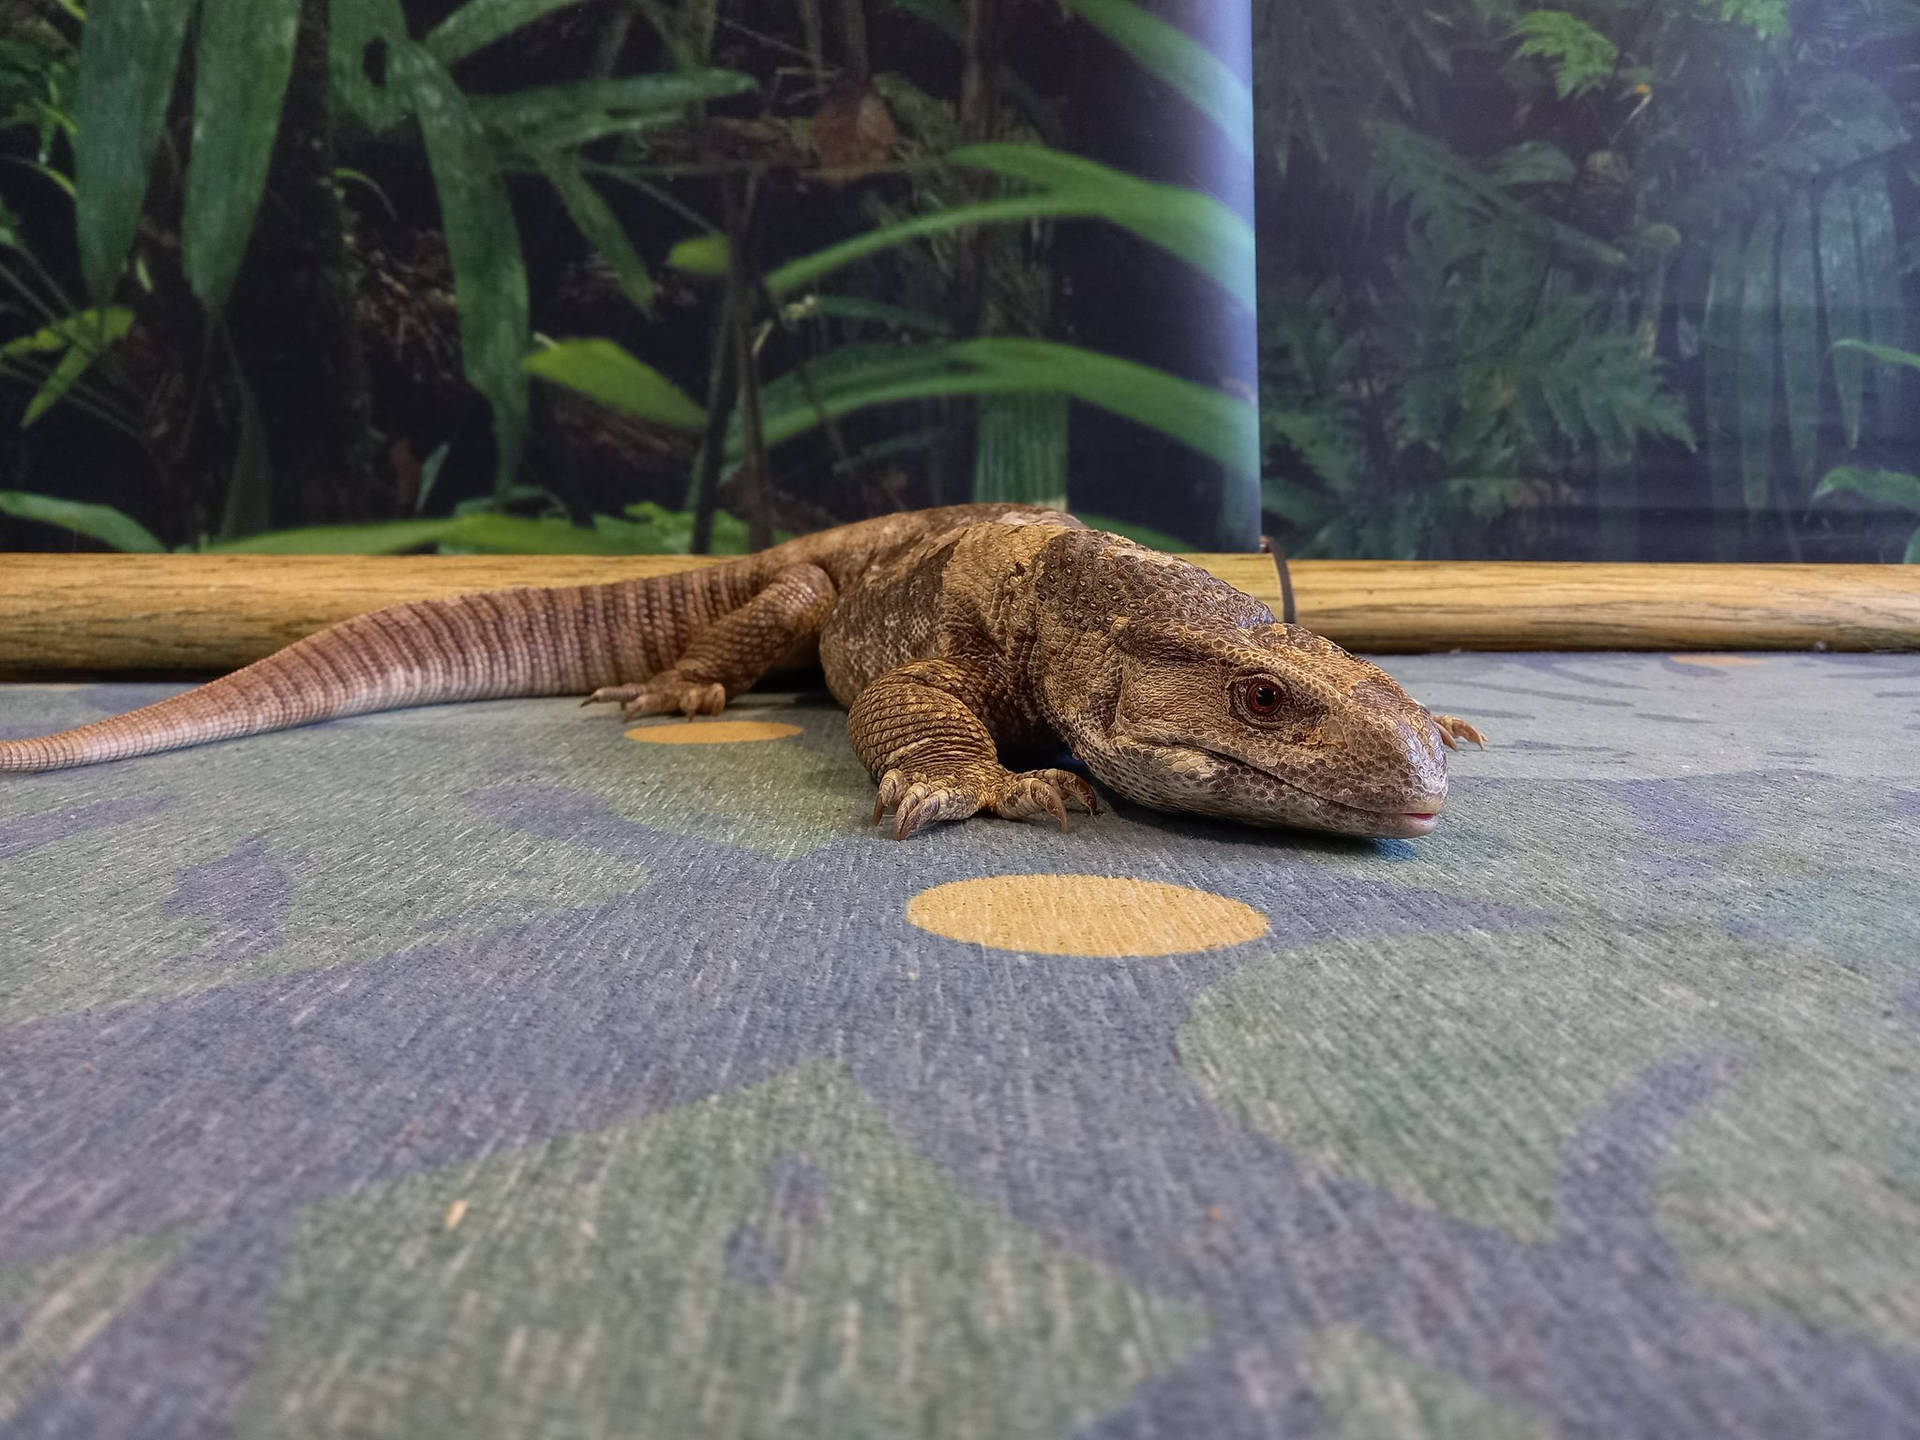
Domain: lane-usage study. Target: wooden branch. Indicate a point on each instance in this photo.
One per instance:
(217, 612)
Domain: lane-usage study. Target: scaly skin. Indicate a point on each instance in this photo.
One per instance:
(949, 634)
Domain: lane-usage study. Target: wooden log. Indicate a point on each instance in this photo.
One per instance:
(216, 612)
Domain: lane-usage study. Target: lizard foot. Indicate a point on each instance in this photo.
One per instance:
(1453, 728)
(665, 694)
(923, 798)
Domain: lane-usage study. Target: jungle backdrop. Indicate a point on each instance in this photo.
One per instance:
(1617, 280)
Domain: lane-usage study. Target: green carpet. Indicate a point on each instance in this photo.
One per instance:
(477, 1072)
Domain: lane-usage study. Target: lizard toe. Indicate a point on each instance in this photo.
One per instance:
(623, 694)
(1452, 728)
(925, 804)
(669, 694)
(1043, 790)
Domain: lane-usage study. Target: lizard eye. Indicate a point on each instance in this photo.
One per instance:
(1261, 698)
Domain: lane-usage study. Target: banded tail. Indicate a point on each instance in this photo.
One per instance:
(561, 641)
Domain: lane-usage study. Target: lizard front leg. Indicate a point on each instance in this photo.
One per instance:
(919, 731)
(726, 656)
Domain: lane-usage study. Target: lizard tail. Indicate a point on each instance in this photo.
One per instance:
(558, 641)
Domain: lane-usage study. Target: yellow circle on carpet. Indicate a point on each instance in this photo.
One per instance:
(712, 732)
(1093, 915)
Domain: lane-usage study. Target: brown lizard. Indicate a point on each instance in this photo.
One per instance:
(951, 636)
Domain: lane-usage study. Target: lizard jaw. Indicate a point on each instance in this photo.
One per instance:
(1418, 818)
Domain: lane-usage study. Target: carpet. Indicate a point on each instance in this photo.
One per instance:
(477, 1071)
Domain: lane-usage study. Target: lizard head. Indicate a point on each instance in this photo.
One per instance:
(1270, 725)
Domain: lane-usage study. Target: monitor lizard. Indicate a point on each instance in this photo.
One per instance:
(953, 636)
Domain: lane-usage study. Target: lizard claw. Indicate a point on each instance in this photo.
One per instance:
(1452, 728)
(664, 694)
(920, 802)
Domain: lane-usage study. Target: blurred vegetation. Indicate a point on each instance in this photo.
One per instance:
(1574, 281)
(1616, 279)
(268, 263)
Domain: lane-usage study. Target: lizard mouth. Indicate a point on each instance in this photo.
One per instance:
(1410, 823)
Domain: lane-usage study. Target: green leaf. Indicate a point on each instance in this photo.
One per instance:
(1759, 347)
(1196, 227)
(243, 55)
(129, 51)
(601, 227)
(97, 522)
(362, 37)
(1020, 448)
(483, 246)
(943, 15)
(1800, 356)
(83, 336)
(1211, 422)
(1580, 57)
(1532, 162)
(700, 255)
(878, 312)
(249, 506)
(1845, 303)
(1140, 534)
(1889, 487)
(479, 23)
(607, 373)
(1179, 60)
(526, 114)
(1880, 285)
(1888, 353)
(1720, 347)
(500, 534)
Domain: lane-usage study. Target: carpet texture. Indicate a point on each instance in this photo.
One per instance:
(477, 1072)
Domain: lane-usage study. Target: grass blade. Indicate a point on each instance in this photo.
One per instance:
(603, 371)
(97, 522)
(859, 377)
(601, 227)
(524, 113)
(1196, 227)
(1181, 61)
(479, 23)
(1889, 487)
(242, 57)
